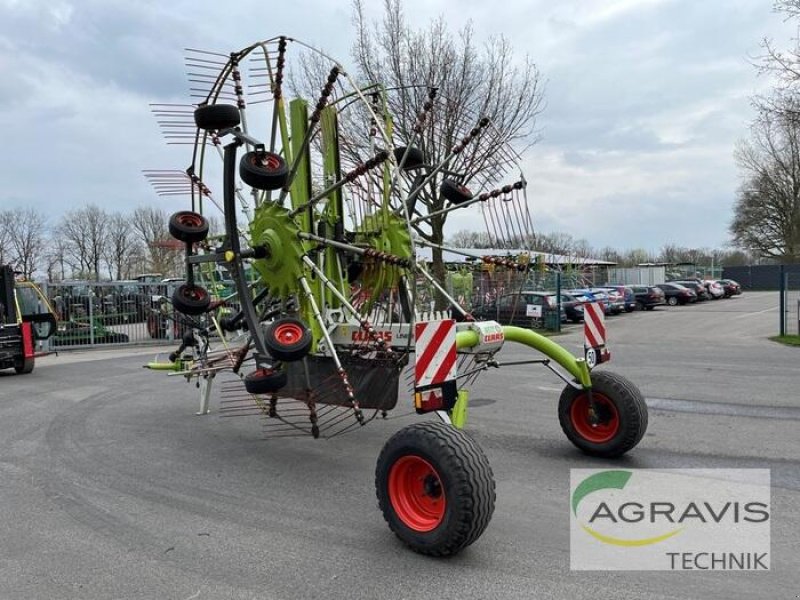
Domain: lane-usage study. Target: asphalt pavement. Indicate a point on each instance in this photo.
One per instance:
(113, 488)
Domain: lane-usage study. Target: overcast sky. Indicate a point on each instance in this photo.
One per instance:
(645, 100)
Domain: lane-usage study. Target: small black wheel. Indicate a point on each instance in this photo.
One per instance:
(672, 301)
(454, 192)
(265, 381)
(414, 158)
(263, 170)
(191, 299)
(619, 420)
(188, 227)
(640, 305)
(435, 488)
(217, 116)
(23, 366)
(287, 339)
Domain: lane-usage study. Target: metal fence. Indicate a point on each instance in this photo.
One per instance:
(791, 305)
(112, 314)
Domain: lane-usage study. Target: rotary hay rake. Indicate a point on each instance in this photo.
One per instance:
(327, 211)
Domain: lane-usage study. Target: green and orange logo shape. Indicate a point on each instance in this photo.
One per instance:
(605, 480)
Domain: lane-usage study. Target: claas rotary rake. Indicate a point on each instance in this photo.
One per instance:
(324, 205)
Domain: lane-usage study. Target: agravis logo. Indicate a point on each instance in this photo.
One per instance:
(612, 480)
(670, 519)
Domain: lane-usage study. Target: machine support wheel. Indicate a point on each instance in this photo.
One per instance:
(191, 299)
(454, 192)
(23, 366)
(263, 170)
(188, 227)
(414, 157)
(265, 381)
(287, 339)
(612, 423)
(435, 488)
(217, 116)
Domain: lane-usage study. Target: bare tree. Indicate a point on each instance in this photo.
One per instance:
(58, 258)
(783, 64)
(86, 232)
(636, 256)
(121, 245)
(555, 243)
(610, 254)
(470, 239)
(26, 231)
(472, 82)
(5, 236)
(151, 225)
(767, 210)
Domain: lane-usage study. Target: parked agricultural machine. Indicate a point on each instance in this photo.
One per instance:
(327, 201)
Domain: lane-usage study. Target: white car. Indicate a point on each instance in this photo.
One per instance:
(715, 289)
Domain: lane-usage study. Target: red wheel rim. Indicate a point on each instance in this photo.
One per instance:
(190, 220)
(416, 493)
(194, 293)
(269, 161)
(607, 424)
(287, 334)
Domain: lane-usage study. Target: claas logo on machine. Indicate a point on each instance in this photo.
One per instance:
(362, 336)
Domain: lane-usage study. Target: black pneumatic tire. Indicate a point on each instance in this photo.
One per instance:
(287, 339)
(454, 192)
(23, 366)
(414, 158)
(672, 301)
(263, 170)
(624, 412)
(191, 299)
(265, 381)
(188, 227)
(461, 477)
(217, 116)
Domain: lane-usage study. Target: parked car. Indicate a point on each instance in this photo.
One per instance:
(676, 293)
(616, 299)
(714, 289)
(573, 307)
(731, 287)
(696, 286)
(648, 297)
(524, 309)
(593, 295)
(628, 297)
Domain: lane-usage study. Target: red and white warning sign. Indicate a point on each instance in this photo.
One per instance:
(594, 334)
(435, 349)
(594, 325)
